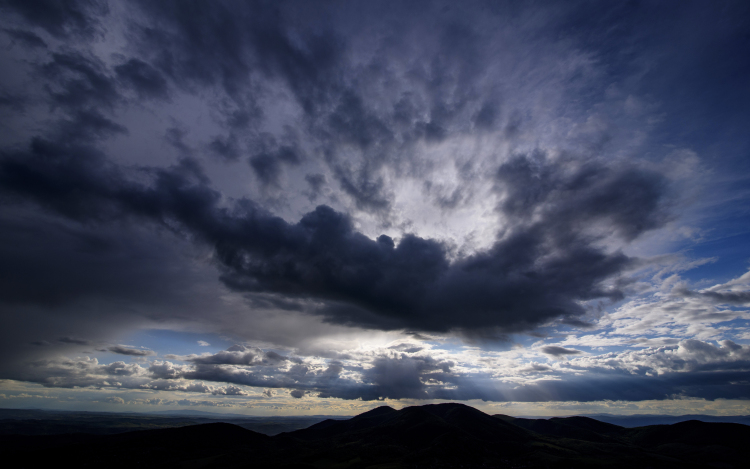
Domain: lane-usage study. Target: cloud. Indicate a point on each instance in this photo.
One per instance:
(306, 174)
(538, 271)
(76, 18)
(556, 351)
(203, 343)
(132, 351)
(236, 355)
(72, 340)
(27, 38)
(692, 368)
(681, 310)
(79, 81)
(147, 82)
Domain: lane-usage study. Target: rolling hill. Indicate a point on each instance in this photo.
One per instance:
(441, 436)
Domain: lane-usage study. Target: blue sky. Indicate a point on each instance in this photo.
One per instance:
(286, 208)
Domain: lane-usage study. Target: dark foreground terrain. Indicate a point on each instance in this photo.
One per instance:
(50, 422)
(443, 435)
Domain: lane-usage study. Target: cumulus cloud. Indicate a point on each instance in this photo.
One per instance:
(691, 368)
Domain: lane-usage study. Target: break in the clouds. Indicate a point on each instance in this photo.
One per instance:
(369, 201)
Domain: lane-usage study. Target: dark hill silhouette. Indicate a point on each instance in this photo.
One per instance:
(580, 428)
(694, 433)
(150, 448)
(442, 435)
(329, 427)
(418, 425)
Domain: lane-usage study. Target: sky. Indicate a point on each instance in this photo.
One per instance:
(320, 207)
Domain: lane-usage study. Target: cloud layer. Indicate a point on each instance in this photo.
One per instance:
(298, 178)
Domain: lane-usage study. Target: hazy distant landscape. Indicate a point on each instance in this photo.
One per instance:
(50, 422)
(442, 435)
(57, 422)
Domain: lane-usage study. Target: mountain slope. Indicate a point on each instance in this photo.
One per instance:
(442, 435)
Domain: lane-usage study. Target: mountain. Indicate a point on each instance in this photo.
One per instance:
(442, 436)
(579, 428)
(641, 420)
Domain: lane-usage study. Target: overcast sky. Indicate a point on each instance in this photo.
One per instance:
(318, 207)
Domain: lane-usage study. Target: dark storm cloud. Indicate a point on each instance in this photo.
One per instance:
(268, 164)
(540, 270)
(79, 81)
(147, 82)
(365, 187)
(60, 19)
(316, 182)
(541, 267)
(238, 47)
(366, 116)
(89, 125)
(12, 101)
(27, 38)
(571, 195)
(225, 147)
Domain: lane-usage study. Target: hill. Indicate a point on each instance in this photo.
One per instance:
(442, 435)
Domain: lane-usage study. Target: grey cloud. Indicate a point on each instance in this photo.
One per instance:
(175, 136)
(486, 117)
(121, 369)
(365, 187)
(89, 125)
(268, 165)
(694, 369)
(60, 19)
(368, 110)
(225, 147)
(741, 298)
(79, 81)
(74, 341)
(316, 182)
(27, 38)
(537, 368)
(229, 391)
(12, 101)
(238, 355)
(165, 370)
(134, 352)
(217, 47)
(147, 82)
(539, 271)
(406, 348)
(556, 351)
(409, 284)
(569, 194)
